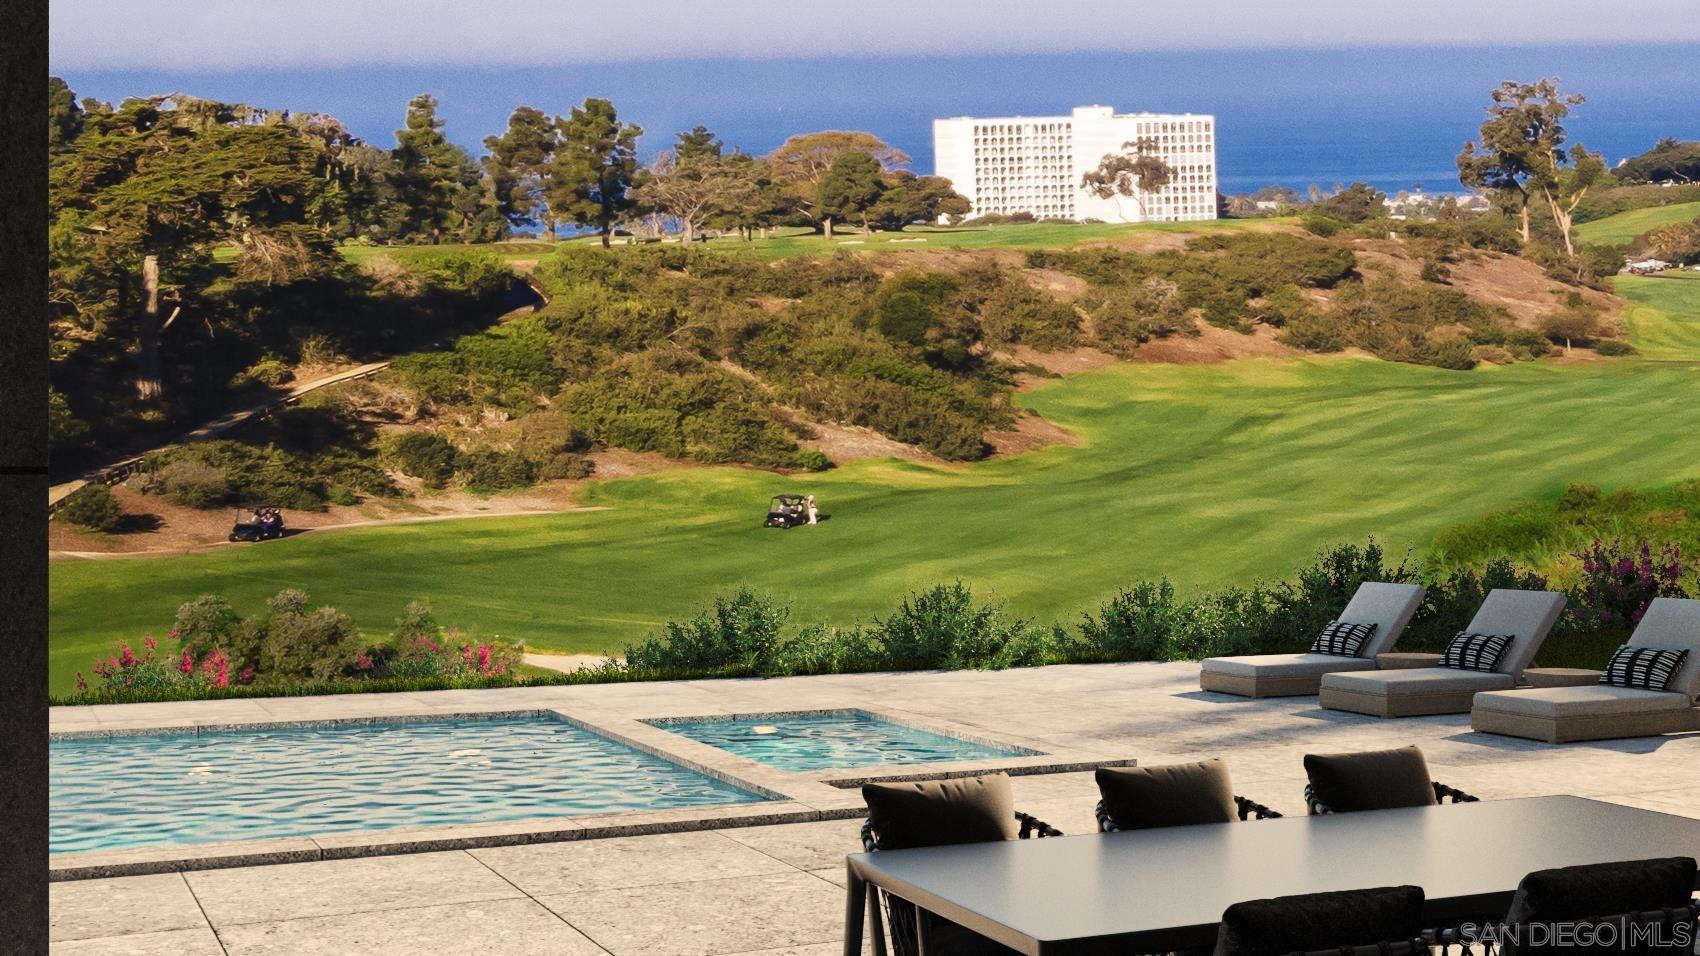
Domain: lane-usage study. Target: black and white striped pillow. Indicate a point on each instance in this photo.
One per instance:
(1342, 639)
(1648, 668)
(1475, 652)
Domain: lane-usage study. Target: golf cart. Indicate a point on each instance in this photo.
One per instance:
(257, 523)
(786, 511)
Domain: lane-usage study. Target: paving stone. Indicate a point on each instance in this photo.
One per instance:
(494, 928)
(175, 942)
(712, 917)
(84, 909)
(557, 868)
(370, 884)
(806, 846)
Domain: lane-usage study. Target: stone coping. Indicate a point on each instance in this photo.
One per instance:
(790, 797)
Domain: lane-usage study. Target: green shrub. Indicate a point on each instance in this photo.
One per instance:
(944, 627)
(810, 459)
(565, 466)
(1133, 625)
(1614, 347)
(738, 634)
(93, 506)
(191, 483)
(423, 455)
(306, 643)
(1322, 225)
(494, 470)
(341, 495)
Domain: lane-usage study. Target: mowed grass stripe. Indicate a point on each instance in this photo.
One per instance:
(1619, 229)
(1209, 474)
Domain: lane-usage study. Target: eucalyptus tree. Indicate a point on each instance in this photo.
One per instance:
(1521, 148)
(1135, 172)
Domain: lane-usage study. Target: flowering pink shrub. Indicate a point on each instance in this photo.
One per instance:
(125, 670)
(1619, 581)
(421, 655)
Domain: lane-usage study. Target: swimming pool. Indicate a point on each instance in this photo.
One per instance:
(834, 741)
(168, 789)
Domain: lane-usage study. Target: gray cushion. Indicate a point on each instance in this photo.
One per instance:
(1371, 780)
(1590, 700)
(1170, 795)
(941, 812)
(1674, 623)
(1526, 615)
(1389, 607)
(1286, 665)
(1418, 681)
(1318, 921)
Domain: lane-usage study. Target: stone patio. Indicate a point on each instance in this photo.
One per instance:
(770, 889)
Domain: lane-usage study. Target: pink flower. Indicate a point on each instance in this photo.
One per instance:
(126, 656)
(246, 676)
(149, 643)
(82, 684)
(187, 664)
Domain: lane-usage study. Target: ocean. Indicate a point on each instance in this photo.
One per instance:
(1391, 117)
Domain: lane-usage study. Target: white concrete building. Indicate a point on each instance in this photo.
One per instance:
(1034, 164)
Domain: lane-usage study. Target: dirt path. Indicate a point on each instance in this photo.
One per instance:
(342, 526)
(566, 663)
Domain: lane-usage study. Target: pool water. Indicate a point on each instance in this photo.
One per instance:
(137, 791)
(831, 741)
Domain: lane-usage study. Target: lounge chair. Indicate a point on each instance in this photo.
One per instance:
(1524, 616)
(1602, 712)
(1171, 795)
(1389, 607)
(938, 813)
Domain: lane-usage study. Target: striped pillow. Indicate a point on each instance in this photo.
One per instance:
(1475, 652)
(1648, 668)
(1342, 639)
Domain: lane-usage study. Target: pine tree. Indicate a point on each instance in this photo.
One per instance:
(519, 167)
(594, 168)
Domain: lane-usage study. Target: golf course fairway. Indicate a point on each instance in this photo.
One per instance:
(1210, 474)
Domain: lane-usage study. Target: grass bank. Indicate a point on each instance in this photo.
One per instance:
(1620, 229)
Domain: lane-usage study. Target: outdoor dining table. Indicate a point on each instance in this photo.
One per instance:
(1143, 891)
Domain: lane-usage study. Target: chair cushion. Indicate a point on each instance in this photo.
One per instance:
(1646, 668)
(1528, 615)
(1674, 623)
(1418, 681)
(1389, 607)
(1475, 652)
(1294, 924)
(1589, 700)
(1371, 780)
(941, 812)
(1171, 795)
(1341, 639)
(1602, 889)
(1285, 665)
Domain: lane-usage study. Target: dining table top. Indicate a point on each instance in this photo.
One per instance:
(1167, 888)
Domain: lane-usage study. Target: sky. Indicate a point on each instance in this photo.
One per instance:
(1305, 91)
(212, 35)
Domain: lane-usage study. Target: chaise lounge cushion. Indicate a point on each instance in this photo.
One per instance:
(1674, 623)
(941, 812)
(1286, 665)
(1419, 681)
(1591, 700)
(1172, 795)
(1371, 780)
